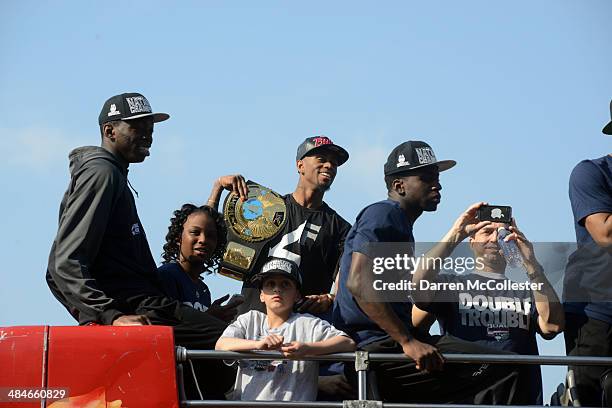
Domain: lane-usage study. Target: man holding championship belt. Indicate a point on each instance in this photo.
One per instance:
(311, 233)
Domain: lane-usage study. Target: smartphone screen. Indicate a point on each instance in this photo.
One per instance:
(495, 213)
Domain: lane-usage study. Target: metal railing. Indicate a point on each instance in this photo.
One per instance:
(362, 360)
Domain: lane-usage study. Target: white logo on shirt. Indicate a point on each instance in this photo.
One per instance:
(135, 229)
(312, 231)
(279, 251)
(494, 312)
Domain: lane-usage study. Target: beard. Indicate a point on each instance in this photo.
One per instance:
(325, 188)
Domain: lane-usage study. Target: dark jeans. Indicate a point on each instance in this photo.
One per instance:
(585, 336)
(493, 384)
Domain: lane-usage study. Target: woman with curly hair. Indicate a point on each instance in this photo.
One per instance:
(195, 243)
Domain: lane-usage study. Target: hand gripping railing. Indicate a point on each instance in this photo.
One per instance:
(362, 360)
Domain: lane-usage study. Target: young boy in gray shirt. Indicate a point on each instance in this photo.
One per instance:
(294, 335)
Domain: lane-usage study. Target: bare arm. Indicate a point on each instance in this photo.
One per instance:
(551, 316)
(234, 183)
(234, 344)
(271, 342)
(359, 283)
(599, 226)
(336, 344)
(466, 224)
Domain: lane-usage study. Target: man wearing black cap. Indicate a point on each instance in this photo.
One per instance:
(100, 266)
(314, 233)
(380, 325)
(587, 289)
(100, 246)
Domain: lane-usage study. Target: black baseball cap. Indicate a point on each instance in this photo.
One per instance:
(279, 266)
(608, 128)
(128, 106)
(316, 143)
(411, 155)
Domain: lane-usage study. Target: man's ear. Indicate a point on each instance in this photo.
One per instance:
(261, 298)
(107, 131)
(471, 241)
(300, 165)
(398, 186)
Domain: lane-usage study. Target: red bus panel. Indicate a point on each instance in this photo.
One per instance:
(22, 362)
(114, 367)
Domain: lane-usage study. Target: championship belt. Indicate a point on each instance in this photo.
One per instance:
(250, 225)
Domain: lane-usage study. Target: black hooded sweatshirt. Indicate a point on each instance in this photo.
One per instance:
(100, 265)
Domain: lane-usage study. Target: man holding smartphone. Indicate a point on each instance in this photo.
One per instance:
(587, 287)
(485, 306)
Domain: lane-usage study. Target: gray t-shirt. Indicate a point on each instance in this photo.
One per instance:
(278, 380)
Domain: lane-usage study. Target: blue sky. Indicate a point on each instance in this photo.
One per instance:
(516, 92)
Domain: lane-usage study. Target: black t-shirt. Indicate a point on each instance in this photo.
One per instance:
(503, 319)
(313, 239)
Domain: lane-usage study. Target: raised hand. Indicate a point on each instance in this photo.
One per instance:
(467, 223)
(234, 183)
(522, 243)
